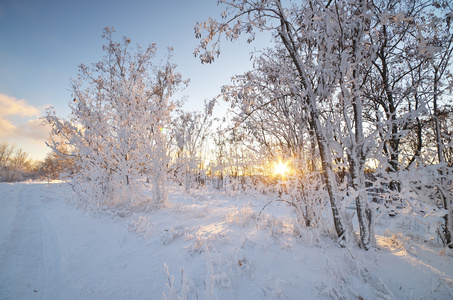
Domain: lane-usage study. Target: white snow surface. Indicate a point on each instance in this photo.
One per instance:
(51, 250)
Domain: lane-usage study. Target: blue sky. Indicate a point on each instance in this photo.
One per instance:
(43, 42)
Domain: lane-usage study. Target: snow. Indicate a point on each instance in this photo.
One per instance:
(228, 250)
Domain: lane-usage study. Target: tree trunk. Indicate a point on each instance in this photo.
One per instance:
(446, 198)
(310, 101)
(329, 177)
(390, 111)
(357, 159)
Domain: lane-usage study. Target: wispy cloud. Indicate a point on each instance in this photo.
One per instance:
(10, 106)
(33, 130)
(23, 132)
(6, 127)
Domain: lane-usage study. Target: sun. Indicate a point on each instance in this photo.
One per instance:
(281, 168)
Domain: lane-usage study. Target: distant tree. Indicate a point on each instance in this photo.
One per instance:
(15, 164)
(190, 135)
(58, 165)
(6, 153)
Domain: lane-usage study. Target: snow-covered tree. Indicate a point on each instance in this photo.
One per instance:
(190, 132)
(353, 73)
(116, 130)
(440, 51)
(56, 166)
(309, 34)
(408, 84)
(15, 165)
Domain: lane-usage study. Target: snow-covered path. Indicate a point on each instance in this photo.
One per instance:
(50, 250)
(32, 264)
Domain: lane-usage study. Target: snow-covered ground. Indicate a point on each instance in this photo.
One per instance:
(214, 246)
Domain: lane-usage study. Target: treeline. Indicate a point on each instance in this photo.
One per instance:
(15, 165)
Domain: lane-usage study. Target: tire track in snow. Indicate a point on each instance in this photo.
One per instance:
(33, 266)
(8, 217)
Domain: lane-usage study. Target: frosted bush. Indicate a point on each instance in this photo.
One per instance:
(242, 217)
(141, 226)
(116, 131)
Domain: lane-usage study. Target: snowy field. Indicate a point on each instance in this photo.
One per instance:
(215, 246)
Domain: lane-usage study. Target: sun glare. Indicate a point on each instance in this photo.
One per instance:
(281, 168)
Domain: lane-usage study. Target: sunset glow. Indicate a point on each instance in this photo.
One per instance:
(281, 168)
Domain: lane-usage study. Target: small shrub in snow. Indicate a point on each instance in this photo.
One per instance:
(244, 266)
(279, 226)
(197, 245)
(209, 280)
(242, 217)
(169, 235)
(141, 226)
(184, 289)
